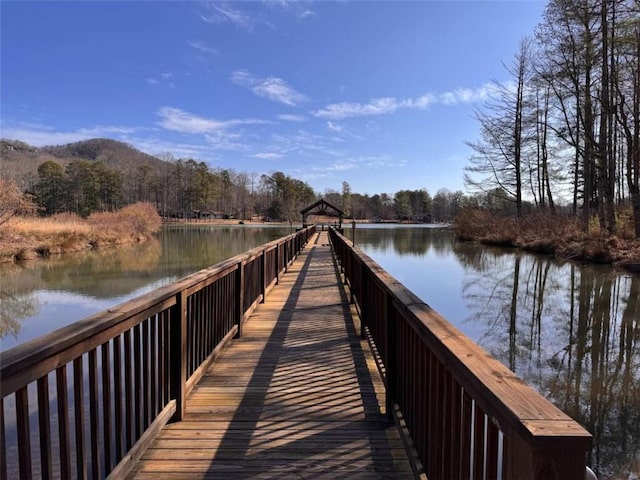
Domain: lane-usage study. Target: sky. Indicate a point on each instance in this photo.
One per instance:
(379, 94)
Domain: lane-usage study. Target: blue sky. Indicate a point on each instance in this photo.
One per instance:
(378, 94)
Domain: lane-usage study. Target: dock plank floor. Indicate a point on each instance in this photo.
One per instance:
(296, 397)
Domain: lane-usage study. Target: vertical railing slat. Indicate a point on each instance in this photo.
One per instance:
(478, 442)
(128, 390)
(94, 420)
(137, 382)
(153, 381)
(117, 393)
(178, 355)
(44, 426)
(3, 446)
(106, 405)
(146, 378)
(79, 416)
(24, 432)
(492, 451)
(63, 421)
(239, 288)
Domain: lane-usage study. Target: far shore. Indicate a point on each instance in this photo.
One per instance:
(32, 238)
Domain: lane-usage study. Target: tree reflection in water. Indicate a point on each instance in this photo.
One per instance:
(572, 331)
(90, 281)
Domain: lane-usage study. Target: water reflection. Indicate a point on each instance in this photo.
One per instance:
(572, 331)
(39, 296)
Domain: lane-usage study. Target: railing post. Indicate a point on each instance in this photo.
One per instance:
(286, 255)
(390, 354)
(263, 275)
(239, 298)
(277, 264)
(352, 286)
(364, 303)
(525, 461)
(178, 355)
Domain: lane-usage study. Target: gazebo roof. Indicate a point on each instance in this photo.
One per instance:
(322, 206)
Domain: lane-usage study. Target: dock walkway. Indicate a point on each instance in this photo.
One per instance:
(297, 396)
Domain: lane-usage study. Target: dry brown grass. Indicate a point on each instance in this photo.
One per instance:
(558, 235)
(30, 237)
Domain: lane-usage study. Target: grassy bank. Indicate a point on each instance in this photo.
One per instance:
(23, 238)
(557, 235)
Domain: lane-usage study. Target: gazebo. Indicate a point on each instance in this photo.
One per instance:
(321, 208)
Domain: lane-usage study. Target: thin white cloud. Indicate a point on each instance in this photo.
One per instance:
(376, 106)
(224, 13)
(224, 140)
(304, 143)
(387, 105)
(272, 88)
(165, 78)
(368, 162)
(340, 166)
(203, 47)
(267, 155)
(160, 147)
(41, 135)
(184, 122)
(292, 118)
(299, 9)
(333, 127)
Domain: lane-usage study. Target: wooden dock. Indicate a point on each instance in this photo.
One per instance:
(297, 396)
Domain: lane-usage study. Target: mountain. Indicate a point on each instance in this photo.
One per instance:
(20, 161)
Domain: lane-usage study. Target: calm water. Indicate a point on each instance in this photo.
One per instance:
(572, 331)
(40, 296)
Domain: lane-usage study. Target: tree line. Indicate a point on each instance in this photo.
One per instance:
(190, 189)
(567, 125)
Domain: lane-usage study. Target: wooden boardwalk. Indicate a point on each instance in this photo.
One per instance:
(296, 397)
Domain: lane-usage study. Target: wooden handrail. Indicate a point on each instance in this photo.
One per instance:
(121, 374)
(468, 415)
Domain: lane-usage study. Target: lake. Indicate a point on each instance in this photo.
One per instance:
(572, 331)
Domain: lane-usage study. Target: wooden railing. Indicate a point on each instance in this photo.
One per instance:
(85, 400)
(467, 415)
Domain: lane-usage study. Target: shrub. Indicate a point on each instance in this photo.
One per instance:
(139, 219)
(13, 202)
(473, 223)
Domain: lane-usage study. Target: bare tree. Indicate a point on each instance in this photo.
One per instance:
(498, 158)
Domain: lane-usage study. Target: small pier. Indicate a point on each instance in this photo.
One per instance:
(297, 396)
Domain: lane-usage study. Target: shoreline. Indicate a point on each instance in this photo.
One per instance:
(17, 248)
(551, 240)
(556, 236)
(32, 238)
(18, 251)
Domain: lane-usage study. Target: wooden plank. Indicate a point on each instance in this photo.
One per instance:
(297, 393)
